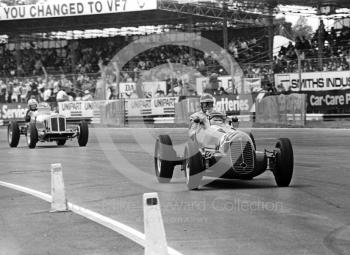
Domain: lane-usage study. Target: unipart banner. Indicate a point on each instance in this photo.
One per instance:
(64, 8)
(81, 109)
(323, 102)
(150, 106)
(317, 81)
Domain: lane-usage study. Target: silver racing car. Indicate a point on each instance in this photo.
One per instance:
(221, 151)
(47, 126)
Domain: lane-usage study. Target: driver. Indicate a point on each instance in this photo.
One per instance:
(201, 117)
(32, 107)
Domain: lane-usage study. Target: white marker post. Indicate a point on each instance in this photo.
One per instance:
(154, 228)
(59, 201)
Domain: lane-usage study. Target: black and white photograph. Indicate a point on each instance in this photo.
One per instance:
(174, 127)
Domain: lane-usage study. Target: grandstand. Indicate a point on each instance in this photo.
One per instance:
(67, 47)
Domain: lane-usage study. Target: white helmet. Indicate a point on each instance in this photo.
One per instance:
(32, 104)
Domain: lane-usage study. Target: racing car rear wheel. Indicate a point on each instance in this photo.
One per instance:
(283, 170)
(194, 166)
(32, 135)
(163, 156)
(83, 134)
(13, 134)
(61, 142)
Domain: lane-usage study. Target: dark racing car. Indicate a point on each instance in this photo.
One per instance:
(221, 151)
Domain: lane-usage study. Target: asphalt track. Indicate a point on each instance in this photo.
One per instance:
(225, 217)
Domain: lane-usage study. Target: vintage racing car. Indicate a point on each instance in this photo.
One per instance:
(222, 151)
(47, 126)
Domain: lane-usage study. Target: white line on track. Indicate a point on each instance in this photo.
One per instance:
(114, 225)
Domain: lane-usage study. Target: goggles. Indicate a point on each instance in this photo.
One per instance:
(207, 104)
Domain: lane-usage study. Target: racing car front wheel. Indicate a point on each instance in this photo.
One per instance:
(32, 135)
(284, 162)
(194, 166)
(164, 155)
(13, 134)
(253, 140)
(83, 136)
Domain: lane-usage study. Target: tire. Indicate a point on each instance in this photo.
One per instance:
(163, 155)
(32, 135)
(61, 142)
(283, 170)
(253, 140)
(194, 166)
(13, 134)
(83, 136)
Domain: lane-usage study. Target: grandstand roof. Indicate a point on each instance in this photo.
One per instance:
(169, 12)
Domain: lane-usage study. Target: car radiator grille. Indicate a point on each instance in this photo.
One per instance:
(58, 124)
(62, 124)
(242, 157)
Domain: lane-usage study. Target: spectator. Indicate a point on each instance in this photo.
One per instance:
(16, 96)
(87, 96)
(61, 95)
(3, 92)
(33, 91)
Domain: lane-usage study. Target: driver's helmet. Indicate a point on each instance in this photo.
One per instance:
(217, 118)
(207, 102)
(32, 104)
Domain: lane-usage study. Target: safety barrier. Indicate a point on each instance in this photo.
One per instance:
(277, 109)
(282, 110)
(112, 113)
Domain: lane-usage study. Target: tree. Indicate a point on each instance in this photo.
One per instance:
(302, 29)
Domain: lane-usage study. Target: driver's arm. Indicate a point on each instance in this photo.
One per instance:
(27, 117)
(196, 121)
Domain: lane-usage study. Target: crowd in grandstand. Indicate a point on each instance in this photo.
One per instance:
(84, 60)
(335, 57)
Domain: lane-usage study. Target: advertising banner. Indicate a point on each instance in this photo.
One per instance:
(13, 111)
(81, 109)
(126, 89)
(230, 104)
(150, 88)
(65, 8)
(323, 102)
(235, 104)
(251, 84)
(150, 106)
(316, 81)
(282, 110)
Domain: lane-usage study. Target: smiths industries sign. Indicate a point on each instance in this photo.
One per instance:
(318, 81)
(64, 8)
